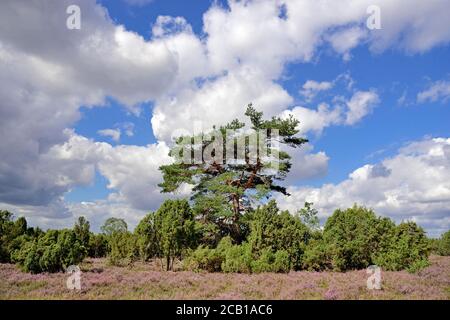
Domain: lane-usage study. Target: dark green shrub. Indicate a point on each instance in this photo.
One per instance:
(175, 230)
(98, 246)
(204, 259)
(146, 237)
(351, 238)
(123, 249)
(9, 231)
(52, 252)
(408, 249)
(282, 262)
(81, 229)
(317, 256)
(277, 230)
(265, 261)
(238, 258)
(271, 262)
(443, 246)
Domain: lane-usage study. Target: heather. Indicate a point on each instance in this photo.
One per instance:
(148, 280)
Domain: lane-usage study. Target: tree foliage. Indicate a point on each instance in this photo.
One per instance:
(443, 244)
(277, 231)
(81, 230)
(51, 252)
(224, 189)
(114, 225)
(174, 230)
(146, 237)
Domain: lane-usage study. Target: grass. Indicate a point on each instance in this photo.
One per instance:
(147, 281)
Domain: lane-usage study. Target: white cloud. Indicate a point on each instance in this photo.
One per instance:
(216, 102)
(306, 164)
(132, 171)
(128, 127)
(414, 184)
(47, 72)
(347, 111)
(315, 120)
(114, 134)
(360, 105)
(439, 90)
(311, 88)
(345, 40)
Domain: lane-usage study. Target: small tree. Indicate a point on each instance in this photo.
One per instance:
(51, 252)
(309, 217)
(6, 226)
(351, 235)
(81, 230)
(408, 248)
(146, 237)
(443, 247)
(98, 245)
(277, 231)
(113, 225)
(122, 248)
(174, 229)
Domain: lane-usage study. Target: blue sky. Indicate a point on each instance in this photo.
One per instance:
(392, 73)
(105, 99)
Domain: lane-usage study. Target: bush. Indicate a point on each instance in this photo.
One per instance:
(317, 256)
(282, 261)
(204, 259)
(146, 237)
(265, 261)
(443, 245)
(81, 229)
(278, 231)
(351, 238)
(238, 258)
(9, 231)
(271, 262)
(52, 252)
(175, 230)
(98, 246)
(123, 249)
(408, 249)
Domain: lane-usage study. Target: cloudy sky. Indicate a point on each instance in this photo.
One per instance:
(87, 116)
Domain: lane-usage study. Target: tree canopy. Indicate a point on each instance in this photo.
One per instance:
(231, 168)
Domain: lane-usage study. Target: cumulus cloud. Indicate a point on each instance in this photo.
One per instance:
(217, 101)
(114, 134)
(346, 111)
(343, 41)
(360, 105)
(47, 72)
(311, 88)
(439, 90)
(412, 185)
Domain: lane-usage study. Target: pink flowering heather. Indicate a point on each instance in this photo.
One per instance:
(148, 281)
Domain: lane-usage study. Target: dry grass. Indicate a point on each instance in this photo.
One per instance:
(147, 281)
